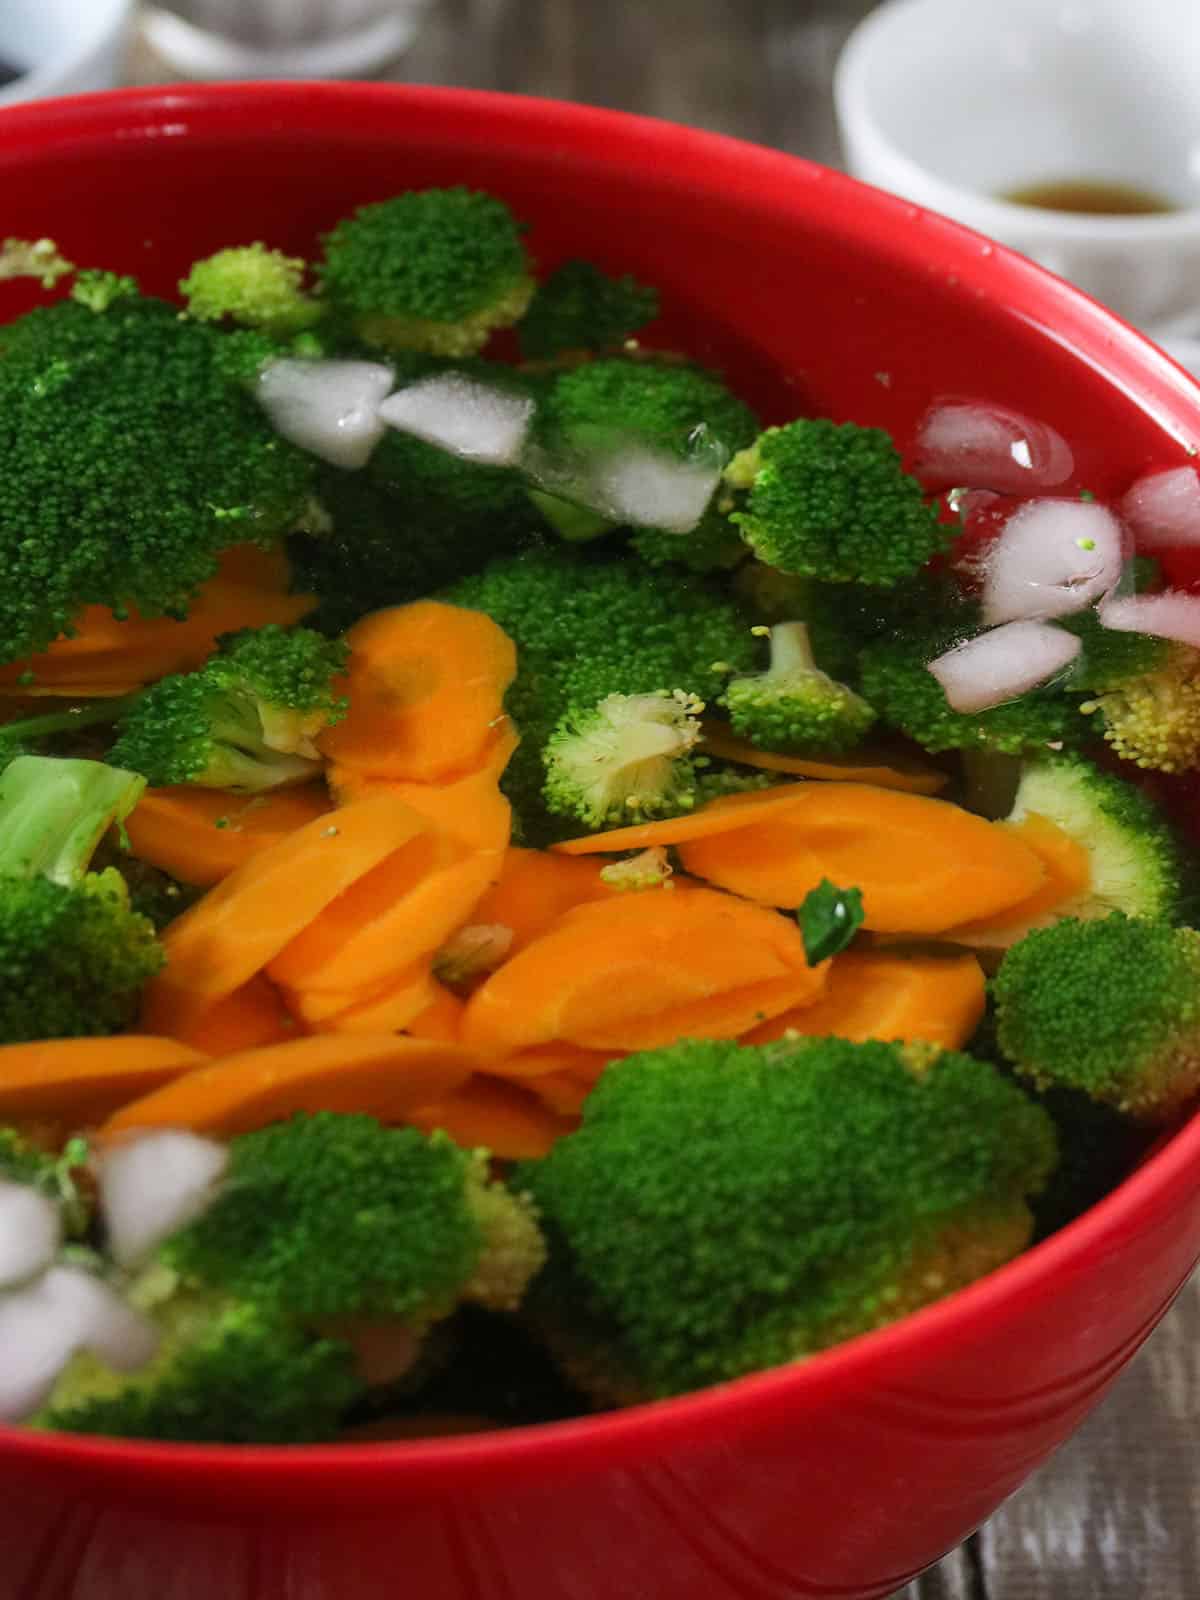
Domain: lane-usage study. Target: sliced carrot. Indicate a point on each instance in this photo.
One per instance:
(426, 686)
(441, 1018)
(251, 1016)
(470, 809)
(544, 1060)
(391, 918)
(643, 969)
(887, 994)
(386, 1077)
(534, 889)
(923, 865)
(1068, 874)
(238, 927)
(562, 1092)
(506, 1121)
(718, 816)
(201, 835)
(81, 1081)
(389, 1010)
(886, 769)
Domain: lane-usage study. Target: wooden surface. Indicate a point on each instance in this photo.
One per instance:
(1114, 1517)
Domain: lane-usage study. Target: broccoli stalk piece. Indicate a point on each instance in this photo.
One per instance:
(578, 307)
(33, 258)
(1110, 1007)
(434, 269)
(131, 461)
(794, 707)
(624, 760)
(97, 289)
(329, 1233)
(246, 720)
(1150, 715)
(73, 955)
(727, 1208)
(25, 735)
(253, 286)
(830, 500)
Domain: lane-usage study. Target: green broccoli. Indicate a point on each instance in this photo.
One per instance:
(246, 720)
(624, 760)
(97, 289)
(578, 307)
(1147, 703)
(671, 406)
(254, 286)
(1110, 1007)
(131, 462)
(1135, 864)
(830, 500)
(894, 677)
(1098, 1147)
(73, 954)
(61, 1175)
(588, 626)
(226, 1372)
(726, 1208)
(794, 706)
(33, 258)
(433, 269)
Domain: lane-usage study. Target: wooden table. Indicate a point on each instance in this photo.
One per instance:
(1115, 1516)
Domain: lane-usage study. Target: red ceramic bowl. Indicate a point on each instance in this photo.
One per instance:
(846, 1475)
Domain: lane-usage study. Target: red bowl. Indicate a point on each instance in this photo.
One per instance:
(846, 1475)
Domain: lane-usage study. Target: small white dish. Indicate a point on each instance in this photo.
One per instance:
(62, 47)
(956, 103)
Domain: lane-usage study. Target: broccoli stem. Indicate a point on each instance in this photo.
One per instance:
(55, 812)
(791, 650)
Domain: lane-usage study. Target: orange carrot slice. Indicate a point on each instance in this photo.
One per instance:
(544, 1060)
(426, 686)
(441, 1018)
(470, 809)
(718, 816)
(923, 865)
(534, 889)
(1068, 875)
(886, 769)
(391, 918)
(389, 1010)
(386, 1077)
(238, 927)
(641, 970)
(200, 835)
(887, 994)
(485, 1113)
(81, 1081)
(562, 1092)
(251, 1016)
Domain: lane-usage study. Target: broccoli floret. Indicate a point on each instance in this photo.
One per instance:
(1152, 716)
(726, 1208)
(226, 1372)
(97, 290)
(578, 307)
(830, 500)
(1111, 657)
(130, 463)
(625, 760)
(254, 286)
(794, 706)
(894, 677)
(1135, 862)
(586, 628)
(646, 869)
(329, 1217)
(1110, 1007)
(33, 258)
(73, 954)
(434, 269)
(246, 720)
(671, 406)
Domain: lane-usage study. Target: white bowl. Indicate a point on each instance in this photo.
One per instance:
(62, 46)
(956, 103)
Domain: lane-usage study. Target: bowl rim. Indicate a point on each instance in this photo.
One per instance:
(863, 215)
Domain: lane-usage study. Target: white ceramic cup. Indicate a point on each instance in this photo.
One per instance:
(62, 46)
(214, 39)
(955, 103)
